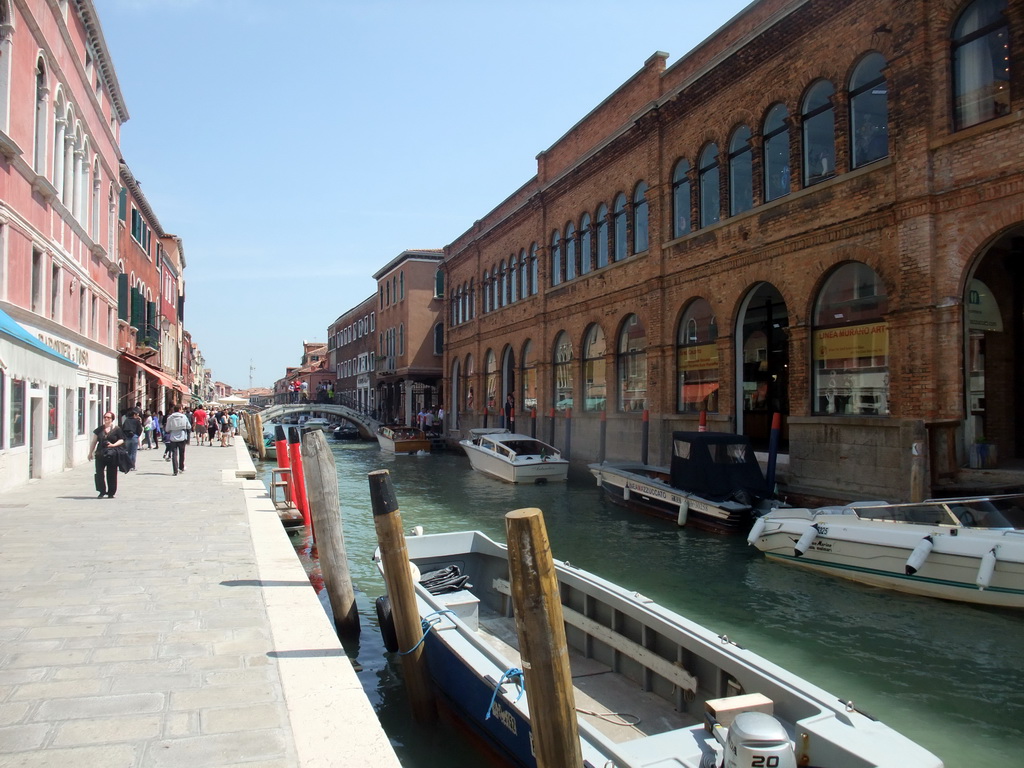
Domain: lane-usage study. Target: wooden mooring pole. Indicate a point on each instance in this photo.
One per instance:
(542, 644)
(325, 509)
(387, 520)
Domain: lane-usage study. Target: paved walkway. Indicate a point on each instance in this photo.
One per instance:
(170, 626)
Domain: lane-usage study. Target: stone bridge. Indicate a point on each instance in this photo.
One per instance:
(367, 426)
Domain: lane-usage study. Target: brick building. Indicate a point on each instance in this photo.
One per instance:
(352, 355)
(819, 211)
(410, 334)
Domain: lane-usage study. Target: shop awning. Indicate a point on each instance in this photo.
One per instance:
(166, 379)
(25, 356)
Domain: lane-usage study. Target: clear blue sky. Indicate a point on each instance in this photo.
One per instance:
(298, 146)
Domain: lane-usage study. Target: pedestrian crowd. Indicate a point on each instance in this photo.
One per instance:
(115, 447)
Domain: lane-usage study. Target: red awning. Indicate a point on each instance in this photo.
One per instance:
(164, 378)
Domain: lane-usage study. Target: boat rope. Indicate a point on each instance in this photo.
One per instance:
(512, 675)
(426, 623)
(615, 718)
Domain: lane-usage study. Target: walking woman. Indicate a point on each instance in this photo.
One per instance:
(105, 440)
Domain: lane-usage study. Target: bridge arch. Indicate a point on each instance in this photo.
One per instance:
(367, 426)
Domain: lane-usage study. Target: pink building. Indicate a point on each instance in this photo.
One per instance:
(61, 112)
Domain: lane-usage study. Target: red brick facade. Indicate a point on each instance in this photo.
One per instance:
(939, 209)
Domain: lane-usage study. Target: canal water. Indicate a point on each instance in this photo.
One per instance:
(948, 676)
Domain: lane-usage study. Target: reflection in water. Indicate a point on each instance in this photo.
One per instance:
(949, 676)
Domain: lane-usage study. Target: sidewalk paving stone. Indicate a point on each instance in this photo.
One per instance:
(125, 639)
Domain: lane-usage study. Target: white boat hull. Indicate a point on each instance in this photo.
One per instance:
(878, 553)
(493, 452)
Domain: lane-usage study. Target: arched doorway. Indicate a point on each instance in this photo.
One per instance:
(762, 363)
(994, 354)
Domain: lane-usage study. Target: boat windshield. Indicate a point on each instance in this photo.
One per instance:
(1005, 512)
(996, 512)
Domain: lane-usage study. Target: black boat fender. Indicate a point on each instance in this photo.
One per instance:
(386, 622)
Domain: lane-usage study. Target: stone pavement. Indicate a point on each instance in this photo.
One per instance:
(172, 626)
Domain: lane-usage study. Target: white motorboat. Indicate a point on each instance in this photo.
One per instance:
(714, 483)
(969, 549)
(317, 423)
(694, 698)
(514, 458)
(402, 439)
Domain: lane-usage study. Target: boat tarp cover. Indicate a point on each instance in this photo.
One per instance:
(716, 465)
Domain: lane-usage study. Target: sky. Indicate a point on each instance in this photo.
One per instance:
(298, 146)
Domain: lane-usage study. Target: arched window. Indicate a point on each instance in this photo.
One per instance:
(775, 140)
(641, 235)
(819, 124)
(534, 270)
(503, 286)
(39, 152)
(869, 111)
(562, 373)
(851, 343)
(602, 236)
(586, 245)
(710, 200)
(401, 339)
(570, 251)
(681, 199)
(513, 279)
(741, 172)
(556, 257)
(486, 283)
(980, 57)
(439, 284)
(524, 274)
(6, 44)
(595, 381)
(619, 227)
(401, 285)
(528, 377)
(495, 288)
(470, 301)
(388, 292)
(59, 127)
(697, 365)
(632, 364)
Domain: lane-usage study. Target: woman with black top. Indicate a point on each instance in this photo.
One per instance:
(105, 441)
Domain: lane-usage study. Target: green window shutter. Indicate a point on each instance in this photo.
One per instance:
(122, 204)
(123, 307)
(138, 309)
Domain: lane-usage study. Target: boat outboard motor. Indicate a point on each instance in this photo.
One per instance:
(758, 739)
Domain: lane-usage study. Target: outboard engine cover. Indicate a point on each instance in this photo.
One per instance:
(758, 740)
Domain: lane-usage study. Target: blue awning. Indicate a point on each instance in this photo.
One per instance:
(10, 328)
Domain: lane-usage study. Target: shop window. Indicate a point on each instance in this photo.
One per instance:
(851, 344)
(595, 382)
(528, 377)
(697, 365)
(980, 58)
(681, 199)
(562, 373)
(632, 364)
(641, 236)
(710, 200)
(869, 111)
(819, 125)
(16, 436)
(53, 413)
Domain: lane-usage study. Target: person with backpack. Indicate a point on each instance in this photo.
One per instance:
(176, 430)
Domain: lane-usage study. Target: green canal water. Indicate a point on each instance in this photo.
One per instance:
(948, 676)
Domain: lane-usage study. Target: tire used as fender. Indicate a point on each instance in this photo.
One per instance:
(386, 622)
